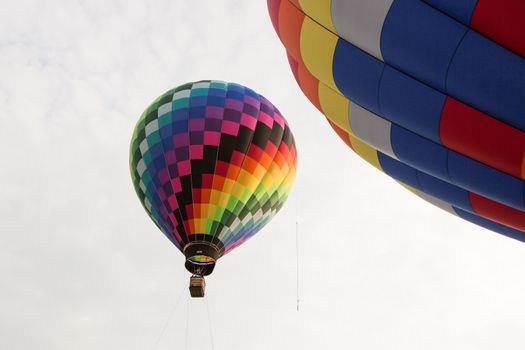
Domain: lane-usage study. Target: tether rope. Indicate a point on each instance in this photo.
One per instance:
(209, 324)
(297, 246)
(187, 321)
(168, 320)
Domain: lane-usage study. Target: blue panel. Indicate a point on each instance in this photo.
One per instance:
(419, 152)
(196, 101)
(420, 41)
(165, 132)
(411, 104)
(215, 101)
(491, 225)
(251, 93)
(156, 150)
(490, 78)
(180, 115)
(425, 183)
(232, 93)
(445, 191)
(486, 181)
(197, 112)
(459, 9)
(357, 74)
(398, 170)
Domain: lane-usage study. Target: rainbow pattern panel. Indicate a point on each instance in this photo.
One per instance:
(430, 92)
(212, 161)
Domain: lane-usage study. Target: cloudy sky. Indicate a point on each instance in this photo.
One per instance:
(82, 266)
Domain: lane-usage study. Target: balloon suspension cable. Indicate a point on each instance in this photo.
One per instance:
(297, 260)
(209, 324)
(170, 317)
(187, 322)
(297, 250)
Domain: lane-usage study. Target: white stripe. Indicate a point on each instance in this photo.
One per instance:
(152, 127)
(234, 224)
(141, 167)
(360, 22)
(371, 129)
(144, 146)
(200, 85)
(147, 204)
(437, 202)
(164, 109)
(181, 94)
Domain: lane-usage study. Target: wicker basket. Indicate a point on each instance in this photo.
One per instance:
(197, 286)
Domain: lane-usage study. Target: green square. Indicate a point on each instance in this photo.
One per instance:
(199, 92)
(164, 120)
(153, 138)
(180, 103)
(218, 85)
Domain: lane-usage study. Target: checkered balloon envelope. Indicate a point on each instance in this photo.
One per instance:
(212, 162)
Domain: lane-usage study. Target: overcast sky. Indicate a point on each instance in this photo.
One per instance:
(83, 267)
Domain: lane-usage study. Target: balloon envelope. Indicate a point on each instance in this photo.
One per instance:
(212, 163)
(430, 92)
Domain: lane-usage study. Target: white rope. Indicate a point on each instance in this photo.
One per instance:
(297, 260)
(209, 323)
(168, 320)
(297, 247)
(187, 321)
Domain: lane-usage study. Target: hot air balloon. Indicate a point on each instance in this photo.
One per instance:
(211, 162)
(431, 92)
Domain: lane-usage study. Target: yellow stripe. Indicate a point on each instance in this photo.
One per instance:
(320, 11)
(335, 106)
(365, 151)
(317, 51)
(411, 189)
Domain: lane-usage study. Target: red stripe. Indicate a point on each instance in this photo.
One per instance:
(498, 212)
(273, 9)
(290, 25)
(502, 21)
(294, 66)
(341, 133)
(476, 135)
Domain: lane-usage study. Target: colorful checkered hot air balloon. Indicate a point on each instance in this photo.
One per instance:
(212, 163)
(432, 92)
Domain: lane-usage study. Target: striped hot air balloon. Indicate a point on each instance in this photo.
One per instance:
(430, 92)
(212, 163)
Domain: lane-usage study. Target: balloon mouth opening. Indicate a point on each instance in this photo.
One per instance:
(202, 254)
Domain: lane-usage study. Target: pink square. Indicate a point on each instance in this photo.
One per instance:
(184, 167)
(266, 119)
(173, 204)
(250, 100)
(196, 124)
(181, 139)
(175, 183)
(234, 104)
(212, 138)
(170, 157)
(265, 102)
(163, 212)
(196, 151)
(248, 121)
(173, 219)
(279, 120)
(229, 127)
(214, 112)
(163, 176)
